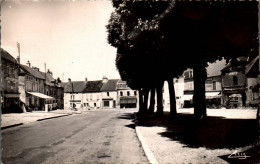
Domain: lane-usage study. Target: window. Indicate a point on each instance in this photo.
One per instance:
(107, 93)
(214, 85)
(128, 93)
(121, 93)
(95, 104)
(235, 82)
(135, 93)
(71, 97)
(106, 103)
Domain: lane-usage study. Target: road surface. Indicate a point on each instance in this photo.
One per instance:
(92, 137)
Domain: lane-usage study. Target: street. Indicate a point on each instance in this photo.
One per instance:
(106, 136)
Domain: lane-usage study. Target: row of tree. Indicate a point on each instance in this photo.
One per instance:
(157, 40)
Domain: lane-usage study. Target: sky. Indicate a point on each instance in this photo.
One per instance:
(70, 37)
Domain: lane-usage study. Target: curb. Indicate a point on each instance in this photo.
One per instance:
(146, 148)
(10, 126)
(53, 117)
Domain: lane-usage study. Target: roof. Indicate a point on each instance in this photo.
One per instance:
(49, 78)
(110, 85)
(74, 87)
(33, 72)
(250, 65)
(7, 56)
(93, 86)
(214, 69)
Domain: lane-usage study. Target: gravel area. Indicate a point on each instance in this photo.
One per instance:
(182, 142)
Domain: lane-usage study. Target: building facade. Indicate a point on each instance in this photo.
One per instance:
(9, 82)
(239, 80)
(126, 97)
(213, 85)
(39, 89)
(99, 94)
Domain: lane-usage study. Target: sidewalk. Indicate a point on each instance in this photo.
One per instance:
(15, 119)
(181, 141)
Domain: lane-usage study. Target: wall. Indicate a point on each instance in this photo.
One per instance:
(92, 100)
(112, 97)
(227, 80)
(70, 98)
(250, 93)
(9, 76)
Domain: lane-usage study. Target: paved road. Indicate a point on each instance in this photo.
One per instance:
(91, 137)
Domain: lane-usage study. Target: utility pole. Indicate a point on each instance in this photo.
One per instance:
(45, 78)
(19, 61)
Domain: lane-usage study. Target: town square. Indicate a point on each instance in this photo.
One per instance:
(108, 81)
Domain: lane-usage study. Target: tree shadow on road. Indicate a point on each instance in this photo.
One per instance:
(214, 133)
(128, 116)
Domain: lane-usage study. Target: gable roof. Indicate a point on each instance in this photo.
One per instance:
(110, 85)
(32, 72)
(7, 56)
(74, 86)
(250, 65)
(49, 78)
(93, 86)
(214, 69)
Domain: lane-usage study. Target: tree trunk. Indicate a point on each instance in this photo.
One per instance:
(141, 103)
(146, 94)
(152, 101)
(159, 97)
(173, 110)
(200, 75)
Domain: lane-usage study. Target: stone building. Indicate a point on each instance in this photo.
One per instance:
(213, 85)
(239, 80)
(9, 82)
(38, 88)
(126, 97)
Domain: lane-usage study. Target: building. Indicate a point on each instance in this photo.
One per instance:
(99, 94)
(126, 97)
(92, 96)
(109, 93)
(39, 90)
(239, 80)
(213, 85)
(73, 93)
(9, 82)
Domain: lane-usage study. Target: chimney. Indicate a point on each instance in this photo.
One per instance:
(86, 80)
(69, 79)
(28, 63)
(104, 79)
(49, 72)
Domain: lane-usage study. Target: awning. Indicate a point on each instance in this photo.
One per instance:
(188, 97)
(128, 101)
(40, 95)
(211, 95)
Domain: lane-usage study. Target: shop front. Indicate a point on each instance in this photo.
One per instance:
(40, 101)
(128, 102)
